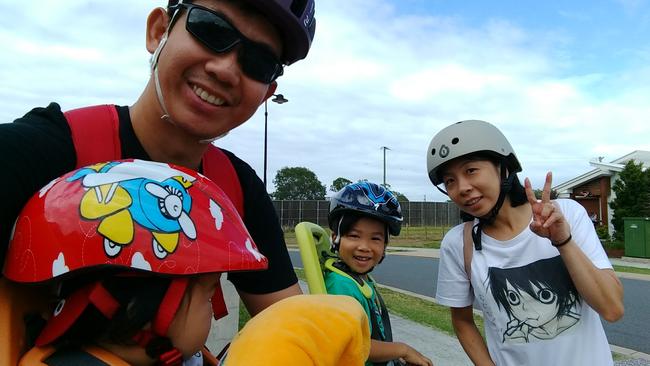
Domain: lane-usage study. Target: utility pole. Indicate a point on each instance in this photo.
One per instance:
(385, 148)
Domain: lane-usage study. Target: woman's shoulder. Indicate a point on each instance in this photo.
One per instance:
(453, 239)
(568, 203)
(571, 209)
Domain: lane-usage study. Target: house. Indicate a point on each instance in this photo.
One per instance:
(593, 190)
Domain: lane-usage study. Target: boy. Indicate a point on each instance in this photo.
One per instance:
(361, 216)
(213, 63)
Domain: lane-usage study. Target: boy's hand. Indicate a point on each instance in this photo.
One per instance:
(413, 357)
(548, 220)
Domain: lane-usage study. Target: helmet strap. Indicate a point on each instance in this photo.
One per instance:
(383, 255)
(155, 342)
(154, 70)
(159, 348)
(506, 185)
(337, 238)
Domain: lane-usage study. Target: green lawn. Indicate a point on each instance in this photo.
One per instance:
(644, 271)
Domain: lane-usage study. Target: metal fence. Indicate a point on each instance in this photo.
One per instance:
(441, 214)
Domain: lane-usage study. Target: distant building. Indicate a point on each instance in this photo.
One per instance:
(593, 190)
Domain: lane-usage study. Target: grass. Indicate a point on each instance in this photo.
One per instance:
(644, 271)
(422, 311)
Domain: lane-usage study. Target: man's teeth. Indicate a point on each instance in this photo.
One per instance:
(207, 97)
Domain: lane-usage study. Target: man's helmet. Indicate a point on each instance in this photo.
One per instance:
(127, 218)
(464, 138)
(294, 19)
(368, 199)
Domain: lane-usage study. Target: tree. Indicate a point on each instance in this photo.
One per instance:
(632, 191)
(400, 197)
(297, 183)
(339, 183)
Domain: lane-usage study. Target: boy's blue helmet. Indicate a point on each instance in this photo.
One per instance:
(369, 199)
(294, 19)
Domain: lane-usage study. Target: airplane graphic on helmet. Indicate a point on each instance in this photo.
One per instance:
(121, 194)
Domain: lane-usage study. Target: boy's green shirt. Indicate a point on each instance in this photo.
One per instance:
(340, 285)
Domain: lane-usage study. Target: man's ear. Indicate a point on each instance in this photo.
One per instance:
(156, 27)
(272, 87)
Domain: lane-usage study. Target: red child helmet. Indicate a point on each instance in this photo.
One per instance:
(147, 218)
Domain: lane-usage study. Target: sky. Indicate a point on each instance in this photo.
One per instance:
(566, 82)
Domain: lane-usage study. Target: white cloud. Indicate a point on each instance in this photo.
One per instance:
(378, 75)
(217, 214)
(138, 261)
(59, 267)
(253, 250)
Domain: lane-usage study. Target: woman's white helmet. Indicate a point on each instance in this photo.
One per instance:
(464, 138)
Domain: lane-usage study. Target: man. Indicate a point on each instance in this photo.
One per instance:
(214, 62)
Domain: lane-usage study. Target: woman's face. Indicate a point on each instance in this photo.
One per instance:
(191, 325)
(474, 185)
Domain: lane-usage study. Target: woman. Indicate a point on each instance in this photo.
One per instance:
(535, 268)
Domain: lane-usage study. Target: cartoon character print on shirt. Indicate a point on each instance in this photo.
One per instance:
(154, 200)
(540, 300)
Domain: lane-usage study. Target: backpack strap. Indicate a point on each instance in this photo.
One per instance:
(218, 167)
(95, 133)
(96, 136)
(468, 249)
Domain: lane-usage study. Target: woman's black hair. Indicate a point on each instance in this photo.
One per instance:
(349, 218)
(139, 298)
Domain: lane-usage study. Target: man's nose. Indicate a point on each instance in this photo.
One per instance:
(225, 67)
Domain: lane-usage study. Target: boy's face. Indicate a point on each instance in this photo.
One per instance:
(363, 246)
(206, 93)
(474, 185)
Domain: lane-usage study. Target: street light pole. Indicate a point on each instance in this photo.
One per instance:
(277, 98)
(385, 148)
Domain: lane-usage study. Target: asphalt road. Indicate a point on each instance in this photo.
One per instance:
(419, 275)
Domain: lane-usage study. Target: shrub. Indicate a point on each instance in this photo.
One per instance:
(602, 232)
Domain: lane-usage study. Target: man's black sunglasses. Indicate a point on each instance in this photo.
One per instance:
(216, 33)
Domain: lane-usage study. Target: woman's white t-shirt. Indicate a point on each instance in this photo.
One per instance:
(532, 312)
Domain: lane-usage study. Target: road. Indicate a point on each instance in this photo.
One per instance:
(419, 275)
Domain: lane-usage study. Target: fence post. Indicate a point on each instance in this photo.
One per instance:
(435, 214)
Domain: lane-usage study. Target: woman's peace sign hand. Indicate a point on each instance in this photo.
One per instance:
(548, 220)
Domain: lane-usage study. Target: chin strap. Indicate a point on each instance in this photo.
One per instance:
(155, 342)
(154, 70)
(159, 348)
(506, 186)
